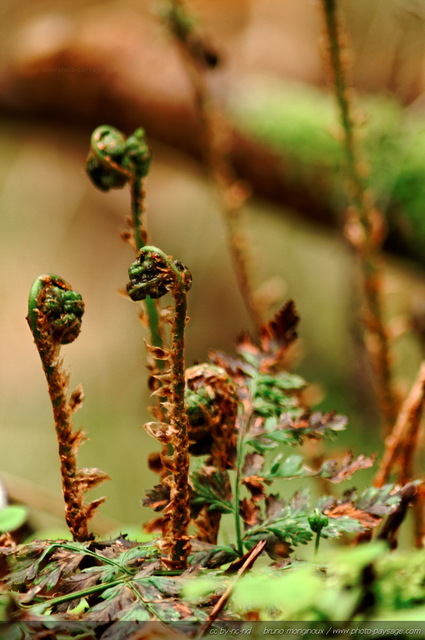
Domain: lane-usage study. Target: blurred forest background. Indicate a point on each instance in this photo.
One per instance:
(68, 66)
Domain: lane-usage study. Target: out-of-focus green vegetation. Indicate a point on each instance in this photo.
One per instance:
(300, 121)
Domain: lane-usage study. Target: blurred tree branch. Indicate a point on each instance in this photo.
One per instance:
(109, 67)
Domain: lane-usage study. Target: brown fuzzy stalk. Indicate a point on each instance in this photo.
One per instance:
(68, 440)
(54, 322)
(154, 273)
(178, 544)
(364, 228)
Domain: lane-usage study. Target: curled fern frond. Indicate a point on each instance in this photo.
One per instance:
(152, 274)
(115, 160)
(55, 313)
(54, 307)
(212, 404)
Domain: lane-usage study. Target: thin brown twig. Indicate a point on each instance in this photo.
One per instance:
(395, 519)
(216, 140)
(364, 228)
(251, 557)
(401, 444)
(419, 520)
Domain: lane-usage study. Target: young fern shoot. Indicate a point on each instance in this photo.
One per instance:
(153, 274)
(54, 315)
(113, 162)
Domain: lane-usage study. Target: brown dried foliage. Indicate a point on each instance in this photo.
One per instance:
(212, 429)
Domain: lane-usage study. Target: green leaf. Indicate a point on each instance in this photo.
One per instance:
(355, 559)
(211, 489)
(287, 467)
(167, 586)
(286, 593)
(53, 574)
(131, 558)
(113, 601)
(378, 501)
(135, 613)
(286, 381)
(198, 588)
(271, 397)
(28, 560)
(12, 517)
(338, 526)
(294, 426)
(270, 440)
(213, 557)
(287, 528)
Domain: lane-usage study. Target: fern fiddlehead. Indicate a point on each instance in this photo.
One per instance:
(154, 273)
(55, 314)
